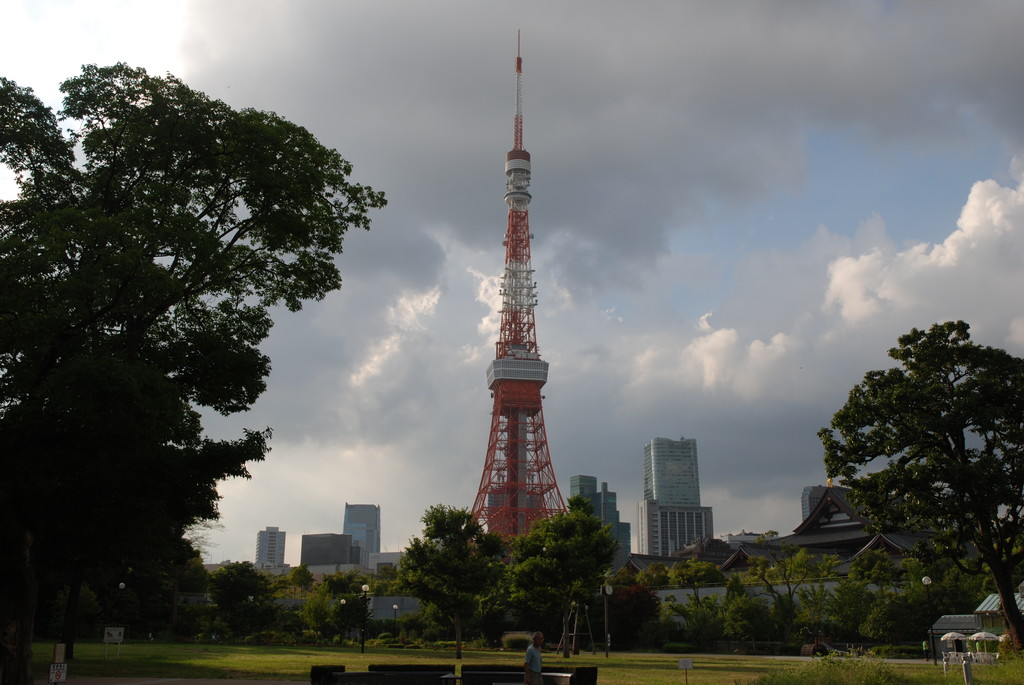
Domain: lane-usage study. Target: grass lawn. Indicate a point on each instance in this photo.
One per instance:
(174, 660)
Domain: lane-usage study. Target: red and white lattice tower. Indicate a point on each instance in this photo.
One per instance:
(518, 483)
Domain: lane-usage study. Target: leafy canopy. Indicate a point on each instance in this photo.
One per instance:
(453, 565)
(153, 231)
(937, 444)
(562, 560)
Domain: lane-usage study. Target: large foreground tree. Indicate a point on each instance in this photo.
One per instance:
(938, 445)
(453, 565)
(153, 231)
(563, 561)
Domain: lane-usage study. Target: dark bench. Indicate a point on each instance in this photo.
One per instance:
(491, 677)
(431, 674)
(321, 675)
(382, 674)
(387, 677)
(483, 674)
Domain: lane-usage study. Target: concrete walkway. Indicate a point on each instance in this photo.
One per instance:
(94, 680)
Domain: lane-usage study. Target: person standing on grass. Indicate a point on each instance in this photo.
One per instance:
(531, 664)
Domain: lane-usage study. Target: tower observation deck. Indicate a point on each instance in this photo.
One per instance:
(518, 482)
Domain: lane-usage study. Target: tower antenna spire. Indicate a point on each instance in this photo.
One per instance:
(518, 126)
(518, 484)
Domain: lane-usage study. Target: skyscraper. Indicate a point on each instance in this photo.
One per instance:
(606, 507)
(671, 516)
(362, 522)
(670, 472)
(270, 548)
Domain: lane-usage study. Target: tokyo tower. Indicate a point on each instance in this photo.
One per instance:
(518, 483)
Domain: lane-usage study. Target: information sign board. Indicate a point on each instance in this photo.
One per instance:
(58, 673)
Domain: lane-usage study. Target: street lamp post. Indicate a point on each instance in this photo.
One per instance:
(394, 607)
(120, 608)
(343, 617)
(606, 591)
(366, 611)
(927, 581)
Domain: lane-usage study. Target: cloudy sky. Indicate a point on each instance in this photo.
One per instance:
(738, 207)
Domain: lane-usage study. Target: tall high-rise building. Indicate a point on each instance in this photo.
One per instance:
(362, 522)
(605, 504)
(270, 548)
(670, 472)
(671, 516)
(518, 485)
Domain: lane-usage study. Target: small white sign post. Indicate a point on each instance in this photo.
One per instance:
(58, 669)
(113, 635)
(686, 665)
(58, 673)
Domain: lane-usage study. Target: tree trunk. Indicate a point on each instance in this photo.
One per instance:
(458, 636)
(18, 595)
(69, 628)
(1008, 599)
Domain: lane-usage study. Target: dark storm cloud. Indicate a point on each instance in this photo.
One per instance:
(640, 121)
(658, 135)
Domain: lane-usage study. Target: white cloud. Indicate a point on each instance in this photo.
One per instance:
(488, 293)
(984, 254)
(405, 319)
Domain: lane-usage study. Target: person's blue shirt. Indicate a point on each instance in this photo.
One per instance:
(532, 659)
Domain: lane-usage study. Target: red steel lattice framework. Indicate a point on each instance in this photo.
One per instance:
(518, 483)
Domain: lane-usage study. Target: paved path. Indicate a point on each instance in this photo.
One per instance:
(94, 680)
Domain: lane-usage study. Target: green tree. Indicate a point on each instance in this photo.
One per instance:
(653, 575)
(630, 608)
(782, 571)
(317, 611)
(244, 598)
(814, 608)
(385, 581)
(704, 619)
(562, 561)
(452, 566)
(851, 601)
(301, 577)
(348, 612)
(876, 567)
(694, 574)
(746, 618)
(346, 582)
(892, 618)
(153, 231)
(946, 429)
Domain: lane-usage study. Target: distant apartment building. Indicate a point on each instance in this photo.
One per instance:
(362, 522)
(665, 530)
(270, 548)
(380, 560)
(812, 494)
(670, 514)
(326, 550)
(606, 507)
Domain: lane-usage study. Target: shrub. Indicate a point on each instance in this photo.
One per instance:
(515, 642)
(896, 651)
(444, 644)
(678, 648)
(835, 671)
